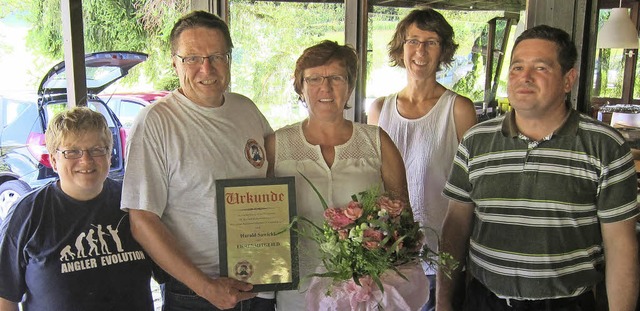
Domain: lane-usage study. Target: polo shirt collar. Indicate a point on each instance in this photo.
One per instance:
(568, 127)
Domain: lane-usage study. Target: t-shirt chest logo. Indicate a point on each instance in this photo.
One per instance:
(254, 153)
(105, 248)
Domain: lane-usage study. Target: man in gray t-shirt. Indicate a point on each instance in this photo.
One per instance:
(178, 148)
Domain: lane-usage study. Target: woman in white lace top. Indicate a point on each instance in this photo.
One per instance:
(340, 157)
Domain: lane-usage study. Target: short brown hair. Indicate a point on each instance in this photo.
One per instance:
(323, 53)
(76, 122)
(426, 19)
(199, 19)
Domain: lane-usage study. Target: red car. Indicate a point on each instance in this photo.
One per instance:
(127, 105)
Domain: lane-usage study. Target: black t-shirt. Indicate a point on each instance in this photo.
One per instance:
(64, 254)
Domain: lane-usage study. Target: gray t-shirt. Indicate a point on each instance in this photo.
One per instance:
(175, 153)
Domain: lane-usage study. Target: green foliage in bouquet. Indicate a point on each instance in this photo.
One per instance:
(372, 234)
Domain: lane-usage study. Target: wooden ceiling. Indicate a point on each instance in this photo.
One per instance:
(466, 5)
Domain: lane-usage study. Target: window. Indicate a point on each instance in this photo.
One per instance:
(269, 36)
(53, 108)
(465, 75)
(636, 85)
(608, 75)
(615, 77)
(128, 112)
(11, 109)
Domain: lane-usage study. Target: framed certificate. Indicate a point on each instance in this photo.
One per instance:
(256, 243)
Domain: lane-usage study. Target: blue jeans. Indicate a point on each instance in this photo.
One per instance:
(178, 297)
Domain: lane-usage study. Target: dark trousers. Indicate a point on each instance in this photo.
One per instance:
(178, 297)
(479, 298)
(458, 293)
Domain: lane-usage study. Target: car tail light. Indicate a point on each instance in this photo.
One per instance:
(38, 148)
(123, 141)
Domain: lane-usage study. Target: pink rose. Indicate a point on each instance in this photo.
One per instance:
(336, 218)
(393, 207)
(372, 238)
(343, 234)
(353, 210)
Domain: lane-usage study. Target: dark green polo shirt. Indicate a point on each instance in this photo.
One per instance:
(539, 205)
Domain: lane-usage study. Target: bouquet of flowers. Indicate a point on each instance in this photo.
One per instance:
(373, 235)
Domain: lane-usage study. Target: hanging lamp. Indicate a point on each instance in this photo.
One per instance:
(618, 32)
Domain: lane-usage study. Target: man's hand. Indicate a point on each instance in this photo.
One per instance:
(225, 293)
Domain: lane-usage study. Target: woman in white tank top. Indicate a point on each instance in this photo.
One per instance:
(425, 120)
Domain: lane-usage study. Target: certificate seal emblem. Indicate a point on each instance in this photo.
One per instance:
(243, 270)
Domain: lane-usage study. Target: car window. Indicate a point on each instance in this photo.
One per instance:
(114, 105)
(128, 112)
(100, 107)
(11, 109)
(96, 77)
(53, 109)
(22, 120)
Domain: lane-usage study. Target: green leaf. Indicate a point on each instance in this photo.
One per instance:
(376, 279)
(324, 203)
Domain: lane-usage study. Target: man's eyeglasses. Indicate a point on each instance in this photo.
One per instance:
(199, 60)
(77, 153)
(333, 79)
(415, 43)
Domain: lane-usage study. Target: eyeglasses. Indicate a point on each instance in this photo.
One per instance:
(415, 43)
(77, 153)
(333, 79)
(199, 60)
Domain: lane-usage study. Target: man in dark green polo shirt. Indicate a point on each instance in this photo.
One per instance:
(541, 196)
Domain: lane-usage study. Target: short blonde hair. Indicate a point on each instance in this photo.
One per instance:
(73, 123)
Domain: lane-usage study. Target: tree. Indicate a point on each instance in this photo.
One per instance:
(268, 38)
(135, 25)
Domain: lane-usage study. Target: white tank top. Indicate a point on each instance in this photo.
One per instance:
(428, 145)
